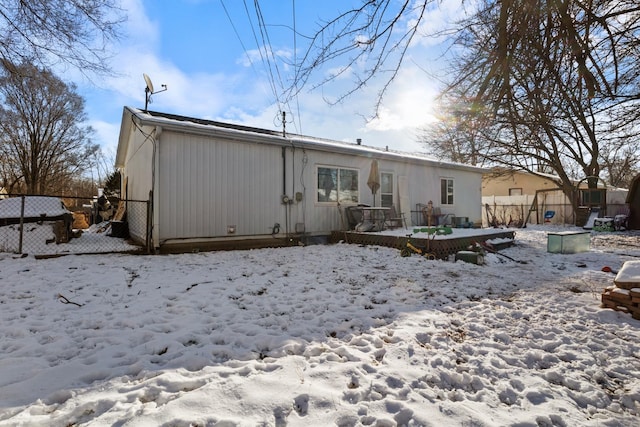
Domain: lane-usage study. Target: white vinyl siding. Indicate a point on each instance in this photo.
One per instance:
(207, 180)
(207, 186)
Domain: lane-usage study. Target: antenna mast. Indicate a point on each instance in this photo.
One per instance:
(284, 124)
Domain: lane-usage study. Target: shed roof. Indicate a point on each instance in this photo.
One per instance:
(235, 132)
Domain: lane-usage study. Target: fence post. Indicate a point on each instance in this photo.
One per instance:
(21, 224)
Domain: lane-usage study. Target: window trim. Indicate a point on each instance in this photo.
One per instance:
(444, 197)
(392, 193)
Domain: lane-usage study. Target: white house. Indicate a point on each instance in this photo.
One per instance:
(213, 184)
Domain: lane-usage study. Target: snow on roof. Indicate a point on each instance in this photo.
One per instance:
(247, 133)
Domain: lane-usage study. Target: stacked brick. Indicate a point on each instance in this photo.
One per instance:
(625, 294)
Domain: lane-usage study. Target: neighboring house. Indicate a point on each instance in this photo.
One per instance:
(516, 183)
(217, 184)
(512, 196)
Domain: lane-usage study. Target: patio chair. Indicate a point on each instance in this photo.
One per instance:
(354, 216)
(621, 219)
(548, 216)
(395, 219)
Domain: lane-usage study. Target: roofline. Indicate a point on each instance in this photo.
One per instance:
(123, 141)
(500, 171)
(242, 133)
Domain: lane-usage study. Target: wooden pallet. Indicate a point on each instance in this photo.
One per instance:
(625, 294)
(625, 300)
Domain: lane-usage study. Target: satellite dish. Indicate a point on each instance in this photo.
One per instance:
(147, 80)
(148, 90)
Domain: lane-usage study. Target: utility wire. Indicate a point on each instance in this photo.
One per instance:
(268, 57)
(235, 30)
(272, 61)
(295, 61)
(262, 57)
(266, 41)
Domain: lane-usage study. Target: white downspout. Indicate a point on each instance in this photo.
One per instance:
(155, 180)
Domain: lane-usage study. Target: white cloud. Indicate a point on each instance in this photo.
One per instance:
(409, 102)
(139, 29)
(107, 133)
(247, 98)
(438, 18)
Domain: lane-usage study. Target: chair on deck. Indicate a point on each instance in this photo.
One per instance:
(621, 219)
(354, 216)
(352, 220)
(395, 219)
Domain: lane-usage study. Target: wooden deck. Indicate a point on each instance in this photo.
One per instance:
(442, 246)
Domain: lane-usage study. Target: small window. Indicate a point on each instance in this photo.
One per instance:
(337, 184)
(515, 191)
(386, 189)
(591, 197)
(446, 191)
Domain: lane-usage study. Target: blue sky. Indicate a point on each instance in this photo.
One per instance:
(214, 71)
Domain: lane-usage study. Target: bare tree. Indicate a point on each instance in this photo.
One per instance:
(456, 135)
(48, 32)
(539, 85)
(368, 42)
(560, 78)
(621, 164)
(43, 142)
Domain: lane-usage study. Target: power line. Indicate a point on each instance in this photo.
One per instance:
(295, 60)
(235, 30)
(272, 61)
(265, 61)
(267, 56)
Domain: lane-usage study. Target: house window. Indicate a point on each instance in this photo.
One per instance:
(446, 191)
(591, 197)
(515, 191)
(386, 189)
(337, 184)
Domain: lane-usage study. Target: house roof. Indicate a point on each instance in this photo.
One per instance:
(500, 171)
(230, 131)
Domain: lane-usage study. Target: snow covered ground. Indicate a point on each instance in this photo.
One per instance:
(342, 335)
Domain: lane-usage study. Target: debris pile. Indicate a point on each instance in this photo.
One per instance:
(624, 295)
(81, 220)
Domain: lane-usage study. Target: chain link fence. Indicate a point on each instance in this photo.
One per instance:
(57, 225)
